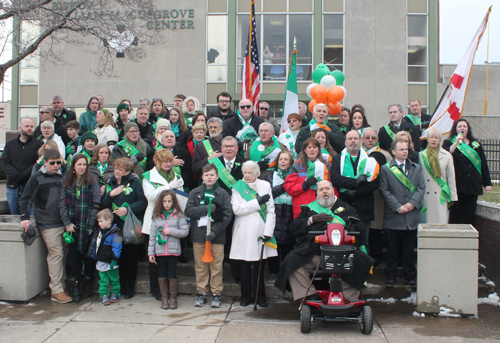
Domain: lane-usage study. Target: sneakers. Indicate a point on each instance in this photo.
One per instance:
(113, 298)
(61, 298)
(105, 300)
(216, 301)
(201, 300)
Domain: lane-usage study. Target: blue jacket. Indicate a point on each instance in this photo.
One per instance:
(111, 245)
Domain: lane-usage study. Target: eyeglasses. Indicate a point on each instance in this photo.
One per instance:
(133, 131)
(55, 162)
(157, 99)
(370, 137)
(245, 106)
(214, 127)
(263, 108)
(225, 101)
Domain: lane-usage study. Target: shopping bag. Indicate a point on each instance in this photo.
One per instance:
(132, 229)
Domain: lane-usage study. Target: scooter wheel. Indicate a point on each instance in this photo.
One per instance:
(366, 324)
(305, 319)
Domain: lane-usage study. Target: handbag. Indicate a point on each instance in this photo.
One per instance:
(132, 229)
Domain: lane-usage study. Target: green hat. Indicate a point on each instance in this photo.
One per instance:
(121, 107)
(88, 135)
(128, 126)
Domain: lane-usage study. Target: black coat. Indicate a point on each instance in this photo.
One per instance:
(425, 119)
(284, 216)
(385, 140)
(18, 159)
(200, 154)
(230, 114)
(467, 177)
(363, 202)
(186, 169)
(306, 248)
(233, 125)
(59, 129)
(335, 137)
(66, 115)
(236, 172)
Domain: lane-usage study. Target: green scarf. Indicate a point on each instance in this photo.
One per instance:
(313, 125)
(445, 189)
(243, 120)
(260, 153)
(195, 142)
(434, 161)
(316, 207)
(209, 195)
(159, 239)
(87, 154)
(169, 175)
(279, 177)
(102, 167)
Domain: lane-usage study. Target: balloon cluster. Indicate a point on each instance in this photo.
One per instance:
(326, 89)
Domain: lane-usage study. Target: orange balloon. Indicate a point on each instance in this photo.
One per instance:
(335, 94)
(334, 108)
(318, 93)
(312, 103)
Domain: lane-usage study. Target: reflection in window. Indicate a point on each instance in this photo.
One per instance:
(301, 30)
(417, 40)
(216, 48)
(333, 43)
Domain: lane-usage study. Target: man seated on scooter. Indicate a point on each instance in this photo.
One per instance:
(306, 254)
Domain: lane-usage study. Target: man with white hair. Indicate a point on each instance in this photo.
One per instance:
(320, 120)
(326, 209)
(265, 149)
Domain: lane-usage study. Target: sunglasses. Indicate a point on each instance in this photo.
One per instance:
(43, 112)
(245, 106)
(292, 121)
(264, 108)
(55, 162)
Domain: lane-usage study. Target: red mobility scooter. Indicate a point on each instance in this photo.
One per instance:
(337, 257)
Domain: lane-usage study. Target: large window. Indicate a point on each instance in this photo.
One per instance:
(417, 53)
(333, 41)
(276, 34)
(216, 48)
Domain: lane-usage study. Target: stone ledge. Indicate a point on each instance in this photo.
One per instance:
(488, 210)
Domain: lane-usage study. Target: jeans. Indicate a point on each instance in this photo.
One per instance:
(13, 200)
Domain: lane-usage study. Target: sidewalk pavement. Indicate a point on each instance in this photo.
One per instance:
(141, 320)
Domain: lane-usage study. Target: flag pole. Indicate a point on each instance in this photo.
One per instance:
(487, 64)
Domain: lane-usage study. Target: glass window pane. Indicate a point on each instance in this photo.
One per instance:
(301, 29)
(300, 5)
(417, 74)
(217, 39)
(417, 40)
(216, 73)
(30, 61)
(333, 38)
(304, 72)
(274, 39)
(29, 75)
(242, 36)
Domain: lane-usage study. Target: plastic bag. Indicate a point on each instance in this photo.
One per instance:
(132, 229)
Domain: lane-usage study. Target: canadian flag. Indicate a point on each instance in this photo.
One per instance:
(450, 108)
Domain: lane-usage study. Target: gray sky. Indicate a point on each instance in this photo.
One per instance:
(459, 21)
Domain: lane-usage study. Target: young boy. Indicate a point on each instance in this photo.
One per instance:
(197, 209)
(106, 251)
(73, 130)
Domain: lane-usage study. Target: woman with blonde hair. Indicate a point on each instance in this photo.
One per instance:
(105, 129)
(439, 174)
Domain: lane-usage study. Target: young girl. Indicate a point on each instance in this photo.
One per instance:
(168, 226)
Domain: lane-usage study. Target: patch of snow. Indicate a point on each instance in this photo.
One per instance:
(31, 304)
(386, 301)
(490, 283)
(418, 314)
(4, 303)
(446, 312)
(492, 299)
(412, 299)
(39, 312)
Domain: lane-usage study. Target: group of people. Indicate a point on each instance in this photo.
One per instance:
(233, 184)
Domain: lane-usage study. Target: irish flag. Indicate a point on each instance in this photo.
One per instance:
(291, 103)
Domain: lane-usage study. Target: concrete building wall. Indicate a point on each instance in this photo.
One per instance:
(4, 120)
(375, 56)
(176, 66)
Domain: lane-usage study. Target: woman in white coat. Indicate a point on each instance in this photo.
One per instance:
(252, 201)
(105, 129)
(155, 181)
(439, 175)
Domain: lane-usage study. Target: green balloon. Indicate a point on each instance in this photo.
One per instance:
(318, 74)
(322, 66)
(339, 76)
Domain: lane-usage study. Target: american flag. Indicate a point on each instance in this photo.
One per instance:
(250, 85)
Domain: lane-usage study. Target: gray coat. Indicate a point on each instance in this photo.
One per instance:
(395, 194)
(178, 229)
(221, 218)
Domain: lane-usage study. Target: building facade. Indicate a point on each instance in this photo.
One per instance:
(387, 51)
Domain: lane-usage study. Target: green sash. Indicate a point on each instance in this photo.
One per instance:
(259, 153)
(131, 150)
(470, 153)
(445, 189)
(401, 177)
(414, 119)
(224, 174)
(389, 132)
(316, 207)
(208, 147)
(249, 194)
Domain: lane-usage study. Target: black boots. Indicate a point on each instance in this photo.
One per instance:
(87, 286)
(74, 289)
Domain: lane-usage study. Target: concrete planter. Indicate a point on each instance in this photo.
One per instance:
(447, 268)
(23, 269)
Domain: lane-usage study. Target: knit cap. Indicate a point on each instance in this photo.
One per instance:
(121, 107)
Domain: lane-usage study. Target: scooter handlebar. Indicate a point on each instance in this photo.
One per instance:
(316, 233)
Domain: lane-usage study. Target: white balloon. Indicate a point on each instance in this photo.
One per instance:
(308, 89)
(328, 82)
(345, 92)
